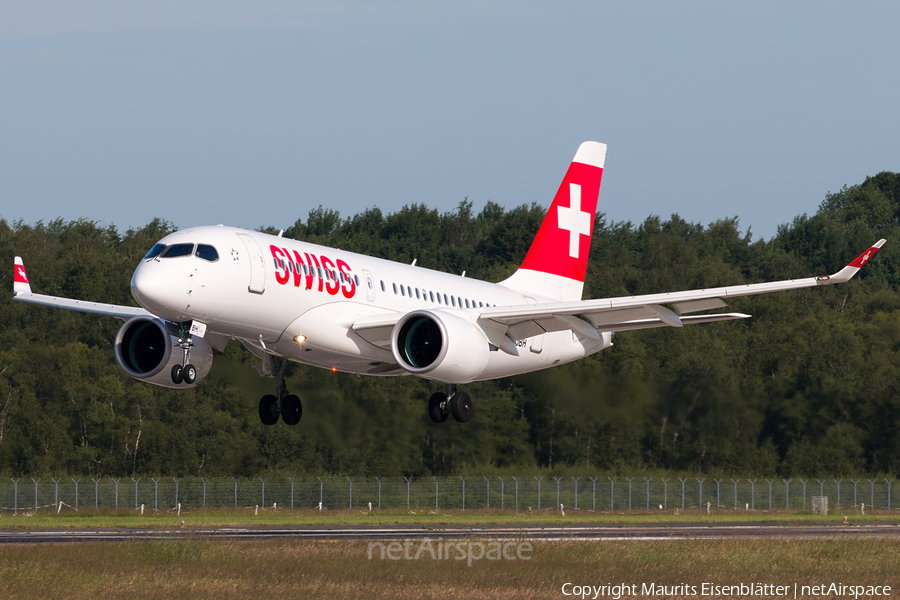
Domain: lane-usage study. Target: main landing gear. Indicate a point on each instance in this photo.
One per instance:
(287, 406)
(185, 372)
(441, 405)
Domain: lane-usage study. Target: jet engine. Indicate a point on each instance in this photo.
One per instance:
(147, 349)
(440, 346)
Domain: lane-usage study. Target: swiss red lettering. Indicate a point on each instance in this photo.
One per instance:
(310, 259)
(349, 286)
(281, 273)
(333, 285)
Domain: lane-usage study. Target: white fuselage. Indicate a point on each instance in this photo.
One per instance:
(262, 291)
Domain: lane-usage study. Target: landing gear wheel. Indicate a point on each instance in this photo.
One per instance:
(461, 407)
(268, 410)
(177, 374)
(436, 407)
(189, 373)
(291, 409)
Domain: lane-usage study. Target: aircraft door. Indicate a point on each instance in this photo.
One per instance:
(370, 286)
(257, 265)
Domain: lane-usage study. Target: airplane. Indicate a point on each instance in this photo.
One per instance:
(288, 300)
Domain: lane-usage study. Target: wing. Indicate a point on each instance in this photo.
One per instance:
(628, 313)
(22, 292)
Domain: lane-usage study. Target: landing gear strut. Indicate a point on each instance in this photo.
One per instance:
(454, 402)
(287, 406)
(185, 372)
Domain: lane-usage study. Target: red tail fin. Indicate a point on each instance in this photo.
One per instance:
(557, 260)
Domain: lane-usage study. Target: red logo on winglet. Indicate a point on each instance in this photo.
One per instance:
(864, 257)
(20, 276)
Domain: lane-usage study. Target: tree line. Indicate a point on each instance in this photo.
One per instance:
(808, 386)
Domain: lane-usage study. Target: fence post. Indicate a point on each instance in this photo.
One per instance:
(203, 480)
(665, 492)
(753, 492)
(735, 482)
(682, 489)
(770, 492)
(594, 492)
(16, 494)
(838, 482)
(56, 491)
(889, 493)
(156, 492)
(96, 491)
(648, 491)
(502, 485)
(350, 481)
(321, 491)
(463, 479)
(177, 481)
(558, 479)
(116, 481)
(35, 493)
(872, 487)
(291, 479)
(612, 483)
(262, 493)
(76, 490)
(407, 490)
(700, 481)
(855, 482)
(575, 479)
(803, 481)
(516, 479)
(235, 480)
(787, 492)
(539, 491)
(135, 490)
(378, 479)
(488, 483)
(821, 486)
(718, 489)
(436, 480)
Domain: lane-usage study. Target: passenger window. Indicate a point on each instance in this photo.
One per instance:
(382, 286)
(453, 301)
(417, 294)
(409, 291)
(176, 250)
(207, 252)
(395, 288)
(446, 302)
(402, 291)
(155, 251)
(439, 298)
(431, 295)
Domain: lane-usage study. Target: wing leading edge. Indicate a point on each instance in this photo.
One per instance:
(628, 313)
(22, 292)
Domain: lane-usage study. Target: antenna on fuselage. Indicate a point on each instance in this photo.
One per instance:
(413, 263)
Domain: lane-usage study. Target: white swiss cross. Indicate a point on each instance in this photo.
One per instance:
(20, 271)
(574, 220)
(866, 257)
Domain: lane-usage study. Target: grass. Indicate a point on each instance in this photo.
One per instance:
(92, 518)
(298, 569)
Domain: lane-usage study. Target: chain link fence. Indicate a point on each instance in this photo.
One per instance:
(519, 493)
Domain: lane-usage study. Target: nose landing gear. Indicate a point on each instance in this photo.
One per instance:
(287, 406)
(454, 402)
(185, 372)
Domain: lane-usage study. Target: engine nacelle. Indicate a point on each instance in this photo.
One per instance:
(147, 349)
(439, 345)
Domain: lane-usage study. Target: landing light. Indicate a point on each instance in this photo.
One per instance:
(300, 338)
(334, 369)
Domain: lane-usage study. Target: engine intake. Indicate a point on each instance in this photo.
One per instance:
(147, 349)
(440, 345)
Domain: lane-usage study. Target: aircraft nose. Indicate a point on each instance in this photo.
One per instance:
(148, 287)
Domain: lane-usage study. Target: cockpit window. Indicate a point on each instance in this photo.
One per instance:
(155, 251)
(207, 252)
(176, 250)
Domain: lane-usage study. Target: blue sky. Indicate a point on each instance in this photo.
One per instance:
(249, 114)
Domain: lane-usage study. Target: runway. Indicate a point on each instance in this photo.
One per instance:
(548, 532)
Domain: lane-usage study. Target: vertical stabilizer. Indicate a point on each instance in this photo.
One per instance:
(557, 260)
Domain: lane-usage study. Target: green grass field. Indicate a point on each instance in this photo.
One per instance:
(427, 518)
(295, 569)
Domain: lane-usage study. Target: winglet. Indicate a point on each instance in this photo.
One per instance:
(847, 273)
(20, 279)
